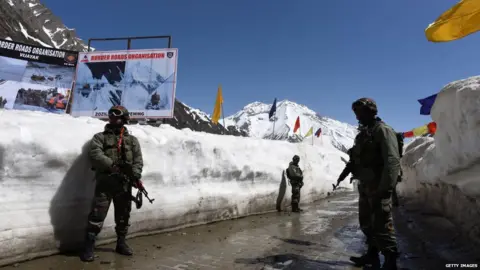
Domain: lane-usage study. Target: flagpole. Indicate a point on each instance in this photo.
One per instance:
(223, 116)
(274, 120)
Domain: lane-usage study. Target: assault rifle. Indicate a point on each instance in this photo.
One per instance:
(126, 171)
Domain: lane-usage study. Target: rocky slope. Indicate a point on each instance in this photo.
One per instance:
(30, 22)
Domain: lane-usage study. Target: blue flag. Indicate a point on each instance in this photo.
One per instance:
(427, 104)
(273, 109)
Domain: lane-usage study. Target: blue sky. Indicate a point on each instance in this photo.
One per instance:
(324, 54)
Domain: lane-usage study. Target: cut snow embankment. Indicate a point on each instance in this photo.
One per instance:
(47, 184)
(444, 172)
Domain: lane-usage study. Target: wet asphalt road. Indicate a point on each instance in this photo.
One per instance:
(322, 237)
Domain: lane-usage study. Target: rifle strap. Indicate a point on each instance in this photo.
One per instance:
(120, 141)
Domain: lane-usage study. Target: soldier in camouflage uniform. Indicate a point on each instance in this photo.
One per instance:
(295, 175)
(110, 151)
(364, 212)
(376, 162)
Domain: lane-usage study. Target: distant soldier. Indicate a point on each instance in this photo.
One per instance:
(111, 151)
(376, 159)
(295, 176)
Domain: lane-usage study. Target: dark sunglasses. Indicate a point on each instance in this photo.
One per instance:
(116, 112)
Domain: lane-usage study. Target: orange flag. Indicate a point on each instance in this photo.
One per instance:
(297, 125)
(432, 127)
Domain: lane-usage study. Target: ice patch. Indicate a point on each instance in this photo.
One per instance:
(330, 213)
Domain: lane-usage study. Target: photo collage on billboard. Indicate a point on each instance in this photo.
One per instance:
(143, 81)
(35, 78)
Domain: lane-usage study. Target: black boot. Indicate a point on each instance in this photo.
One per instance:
(295, 208)
(122, 247)
(371, 258)
(87, 254)
(390, 261)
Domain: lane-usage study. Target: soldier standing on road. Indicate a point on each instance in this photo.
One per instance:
(295, 176)
(377, 165)
(364, 211)
(110, 151)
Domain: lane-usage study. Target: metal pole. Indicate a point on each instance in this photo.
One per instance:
(88, 50)
(223, 116)
(274, 120)
(129, 44)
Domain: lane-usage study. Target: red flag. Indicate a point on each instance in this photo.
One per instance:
(319, 131)
(408, 134)
(297, 124)
(432, 127)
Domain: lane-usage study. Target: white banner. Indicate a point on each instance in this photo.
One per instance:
(143, 81)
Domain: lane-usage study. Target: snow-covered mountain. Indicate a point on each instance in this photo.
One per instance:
(253, 119)
(29, 21)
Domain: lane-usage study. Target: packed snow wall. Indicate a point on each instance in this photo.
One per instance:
(444, 172)
(47, 184)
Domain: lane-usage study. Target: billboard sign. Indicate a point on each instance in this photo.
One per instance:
(35, 78)
(143, 81)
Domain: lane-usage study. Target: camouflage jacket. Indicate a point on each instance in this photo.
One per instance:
(104, 152)
(294, 173)
(376, 158)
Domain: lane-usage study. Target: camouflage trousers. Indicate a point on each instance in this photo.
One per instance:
(101, 203)
(365, 214)
(296, 192)
(376, 222)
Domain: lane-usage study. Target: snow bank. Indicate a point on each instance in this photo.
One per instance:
(444, 171)
(46, 183)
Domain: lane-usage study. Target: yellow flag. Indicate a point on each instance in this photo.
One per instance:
(309, 132)
(217, 110)
(458, 22)
(420, 131)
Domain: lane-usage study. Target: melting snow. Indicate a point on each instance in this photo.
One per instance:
(194, 177)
